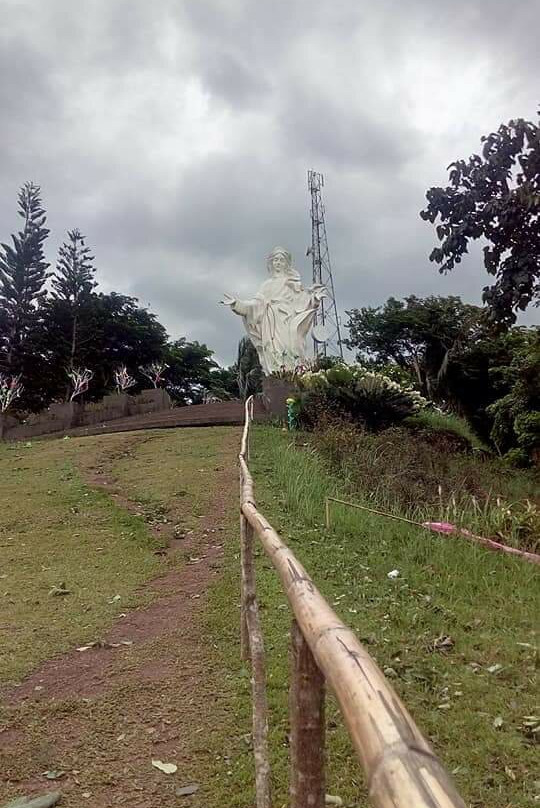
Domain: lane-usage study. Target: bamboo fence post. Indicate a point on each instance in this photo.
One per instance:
(244, 633)
(244, 548)
(307, 738)
(252, 638)
(258, 678)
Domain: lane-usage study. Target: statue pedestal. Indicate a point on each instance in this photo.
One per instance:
(275, 393)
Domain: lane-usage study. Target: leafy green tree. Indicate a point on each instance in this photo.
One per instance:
(249, 370)
(495, 196)
(125, 334)
(516, 414)
(470, 381)
(73, 283)
(224, 383)
(23, 272)
(113, 331)
(190, 369)
(419, 334)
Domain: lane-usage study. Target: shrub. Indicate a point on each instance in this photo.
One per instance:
(432, 475)
(516, 415)
(355, 394)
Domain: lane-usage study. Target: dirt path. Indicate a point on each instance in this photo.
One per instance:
(151, 690)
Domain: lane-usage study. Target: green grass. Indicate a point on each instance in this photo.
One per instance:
(54, 518)
(53, 523)
(56, 529)
(447, 422)
(429, 474)
(486, 603)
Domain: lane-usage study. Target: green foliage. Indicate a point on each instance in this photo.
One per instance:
(190, 370)
(324, 362)
(418, 335)
(485, 602)
(495, 197)
(223, 383)
(112, 330)
(450, 350)
(41, 335)
(72, 284)
(354, 393)
(23, 272)
(516, 415)
(249, 370)
(427, 470)
(436, 420)
(73, 280)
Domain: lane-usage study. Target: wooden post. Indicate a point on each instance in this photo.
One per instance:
(306, 713)
(258, 674)
(244, 634)
(327, 513)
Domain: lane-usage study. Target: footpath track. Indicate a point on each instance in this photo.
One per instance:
(91, 720)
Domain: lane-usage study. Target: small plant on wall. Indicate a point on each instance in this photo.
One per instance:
(10, 389)
(80, 380)
(123, 380)
(155, 372)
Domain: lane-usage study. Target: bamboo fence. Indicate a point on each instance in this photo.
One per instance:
(400, 766)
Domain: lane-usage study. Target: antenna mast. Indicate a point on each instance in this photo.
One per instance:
(326, 330)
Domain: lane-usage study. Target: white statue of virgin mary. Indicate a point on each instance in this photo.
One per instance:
(280, 316)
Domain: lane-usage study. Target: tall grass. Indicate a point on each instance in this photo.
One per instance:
(431, 475)
(454, 631)
(447, 422)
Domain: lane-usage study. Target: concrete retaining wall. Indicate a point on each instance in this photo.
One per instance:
(275, 393)
(62, 417)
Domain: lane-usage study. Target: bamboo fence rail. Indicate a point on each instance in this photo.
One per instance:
(401, 769)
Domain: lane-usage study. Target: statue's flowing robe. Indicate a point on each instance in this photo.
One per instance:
(278, 320)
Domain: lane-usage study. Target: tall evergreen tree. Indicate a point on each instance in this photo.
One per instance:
(249, 370)
(73, 283)
(23, 272)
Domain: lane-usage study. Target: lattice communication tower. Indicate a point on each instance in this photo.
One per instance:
(326, 329)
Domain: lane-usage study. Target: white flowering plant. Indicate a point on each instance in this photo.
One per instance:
(357, 393)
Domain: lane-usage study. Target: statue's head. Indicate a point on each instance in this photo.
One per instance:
(279, 262)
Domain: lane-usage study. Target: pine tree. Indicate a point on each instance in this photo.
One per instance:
(73, 283)
(23, 272)
(249, 370)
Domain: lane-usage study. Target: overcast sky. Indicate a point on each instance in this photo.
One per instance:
(177, 134)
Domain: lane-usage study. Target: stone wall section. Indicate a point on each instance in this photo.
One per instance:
(62, 417)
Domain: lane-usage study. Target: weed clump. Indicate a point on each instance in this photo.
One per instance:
(433, 474)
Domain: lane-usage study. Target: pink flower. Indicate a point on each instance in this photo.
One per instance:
(440, 527)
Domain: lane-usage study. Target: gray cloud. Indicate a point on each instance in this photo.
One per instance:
(177, 136)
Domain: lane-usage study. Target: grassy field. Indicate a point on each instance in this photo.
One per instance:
(166, 692)
(455, 632)
(59, 534)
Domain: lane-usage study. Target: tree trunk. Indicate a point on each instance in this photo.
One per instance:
(72, 354)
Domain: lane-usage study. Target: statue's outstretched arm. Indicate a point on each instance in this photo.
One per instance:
(241, 307)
